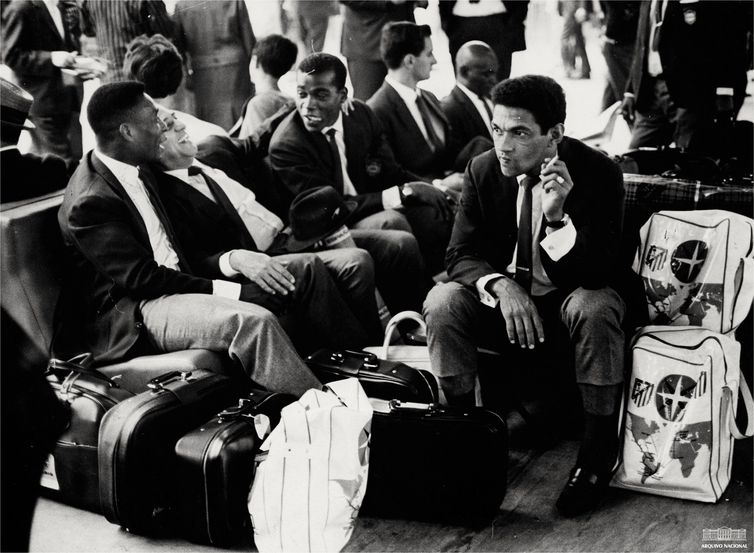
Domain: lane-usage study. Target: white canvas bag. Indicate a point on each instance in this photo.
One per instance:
(680, 413)
(697, 268)
(308, 489)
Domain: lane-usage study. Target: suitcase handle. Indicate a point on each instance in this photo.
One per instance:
(397, 405)
(369, 360)
(61, 369)
(243, 409)
(158, 383)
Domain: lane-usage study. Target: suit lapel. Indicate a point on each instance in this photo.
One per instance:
(470, 109)
(320, 145)
(224, 203)
(404, 117)
(43, 16)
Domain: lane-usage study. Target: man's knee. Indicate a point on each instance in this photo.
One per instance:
(593, 307)
(386, 219)
(445, 303)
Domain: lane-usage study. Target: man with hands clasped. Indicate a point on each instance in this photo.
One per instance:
(532, 262)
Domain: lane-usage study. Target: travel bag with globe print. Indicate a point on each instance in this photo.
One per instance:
(680, 413)
(697, 268)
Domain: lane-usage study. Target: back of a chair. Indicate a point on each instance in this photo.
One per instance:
(31, 267)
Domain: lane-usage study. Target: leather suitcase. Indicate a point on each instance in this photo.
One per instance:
(216, 467)
(380, 378)
(433, 463)
(70, 474)
(137, 462)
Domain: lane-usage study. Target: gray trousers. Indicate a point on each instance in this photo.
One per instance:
(583, 326)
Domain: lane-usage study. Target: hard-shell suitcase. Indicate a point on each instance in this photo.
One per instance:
(70, 474)
(380, 378)
(137, 445)
(216, 467)
(436, 463)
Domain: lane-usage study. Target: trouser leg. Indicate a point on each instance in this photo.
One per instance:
(247, 333)
(366, 77)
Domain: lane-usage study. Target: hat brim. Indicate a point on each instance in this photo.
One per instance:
(293, 244)
(28, 125)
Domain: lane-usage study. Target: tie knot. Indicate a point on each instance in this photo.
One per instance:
(529, 182)
(194, 170)
(331, 133)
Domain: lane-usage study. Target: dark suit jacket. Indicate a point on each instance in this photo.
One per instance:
(29, 175)
(113, 266)
(303, 159)
(362, 26)
(514, 31)
(463, 117)
(29, 38)
(210, 228)
(404, 137)
(485, 231)
(703, 45)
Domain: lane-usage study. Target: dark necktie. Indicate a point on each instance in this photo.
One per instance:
(336, 160)
(524, 244)
(433, 140)
(486, 107)
(245, 239)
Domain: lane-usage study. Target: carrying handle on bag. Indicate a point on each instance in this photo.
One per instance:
(61, 369)
(393, 324)
(745, 292)
(748, 405)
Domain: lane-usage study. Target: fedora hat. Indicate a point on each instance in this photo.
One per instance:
(15, 104)
(315, 214)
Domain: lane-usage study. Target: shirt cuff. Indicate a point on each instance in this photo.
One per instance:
(225, 267)
(391, 198)
(484, 296)
(59, 58)
(724, 91)
(225, 289)
(559, 242)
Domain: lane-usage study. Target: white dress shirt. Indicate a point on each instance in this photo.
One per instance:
(162, 250)
(409, 95)
(57, 17)
(465, 8)
(557, 243)
(479, 105)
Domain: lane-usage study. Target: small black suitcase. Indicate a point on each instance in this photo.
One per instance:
(137, 439)
(70, 474)
(216, 468)
(435, 463)
(379, 378)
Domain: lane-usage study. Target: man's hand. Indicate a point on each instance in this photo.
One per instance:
(522, 321)
(253, 293)
(557, 184)
(628, 109)
(421, 192)
(270, 275)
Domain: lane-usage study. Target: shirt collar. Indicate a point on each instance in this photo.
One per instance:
(406, 93)
(472, 95)
(126, 173)
(182, 173)
(338, 125)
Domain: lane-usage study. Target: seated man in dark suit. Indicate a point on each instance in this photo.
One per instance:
(468, 107)
(216, 214)
(533, 264)
(415, 126)
(24, 175)
(135, 289)
(318, 145)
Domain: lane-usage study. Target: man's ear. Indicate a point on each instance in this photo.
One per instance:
(343, 94)
(125, 131)
(408, 61)
(556, 133)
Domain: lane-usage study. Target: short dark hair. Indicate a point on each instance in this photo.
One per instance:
(319, 62)
(275, 55)
(540, 95)
(156, 62)
(110, 104)
(401, 38)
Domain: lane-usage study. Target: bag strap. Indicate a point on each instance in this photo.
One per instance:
(744, 292)
(748, 404)
(393, 324)
(61, 369)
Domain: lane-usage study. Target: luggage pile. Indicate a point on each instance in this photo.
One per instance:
(681, 406)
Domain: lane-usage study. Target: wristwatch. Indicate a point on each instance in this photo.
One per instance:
(404, 192)
(558, 224)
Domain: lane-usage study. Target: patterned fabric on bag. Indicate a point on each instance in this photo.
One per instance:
(680, 413)
(697, 268)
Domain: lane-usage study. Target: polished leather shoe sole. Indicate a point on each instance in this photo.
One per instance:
(582, 493)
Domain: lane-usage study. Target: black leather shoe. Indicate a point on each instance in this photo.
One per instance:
(582, 493)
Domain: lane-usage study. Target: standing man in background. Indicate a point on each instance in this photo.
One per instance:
(39, 40)
(360, 41)
(217, 40)
(499, 24)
